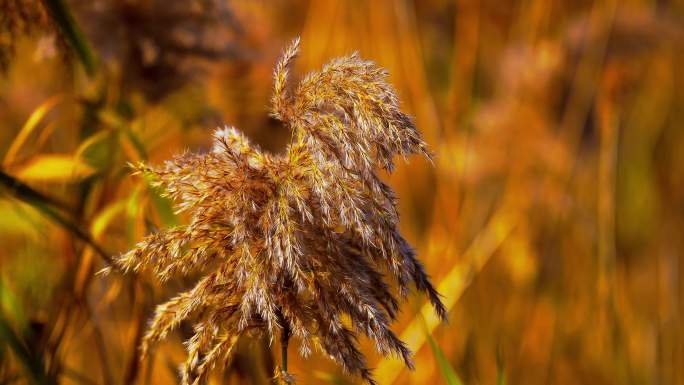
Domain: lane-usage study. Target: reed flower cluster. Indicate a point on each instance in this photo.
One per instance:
(298, 244)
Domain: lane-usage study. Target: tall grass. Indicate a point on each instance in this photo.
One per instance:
(550, 220)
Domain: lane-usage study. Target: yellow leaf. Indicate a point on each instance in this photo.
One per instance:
(54, 168)
(30, 125)
(106, 217)
(19, 218)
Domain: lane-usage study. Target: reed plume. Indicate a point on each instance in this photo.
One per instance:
(296, 244)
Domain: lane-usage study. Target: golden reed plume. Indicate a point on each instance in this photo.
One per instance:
(296, 244)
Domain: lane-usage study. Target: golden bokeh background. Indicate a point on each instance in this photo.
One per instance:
(552, 219)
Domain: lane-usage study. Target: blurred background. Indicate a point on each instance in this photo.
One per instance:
(551, 221)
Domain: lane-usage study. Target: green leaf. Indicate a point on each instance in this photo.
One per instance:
(97, 150)
(445, 367)
(17, 218)
(50, 208)
(9, 304)
(162, 205)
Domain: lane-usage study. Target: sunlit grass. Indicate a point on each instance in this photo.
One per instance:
(550, 220)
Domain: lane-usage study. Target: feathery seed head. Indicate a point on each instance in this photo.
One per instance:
(300, 239)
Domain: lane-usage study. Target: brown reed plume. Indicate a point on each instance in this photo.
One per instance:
(19, 18)
(295, 244)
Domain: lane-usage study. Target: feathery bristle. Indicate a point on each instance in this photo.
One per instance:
(279, 99)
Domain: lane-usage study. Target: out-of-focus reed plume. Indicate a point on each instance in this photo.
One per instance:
(18, 18)
(160, 45)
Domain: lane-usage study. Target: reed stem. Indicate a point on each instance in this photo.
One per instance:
(284, 342)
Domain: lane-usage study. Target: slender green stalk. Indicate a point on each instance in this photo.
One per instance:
(62, 17)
